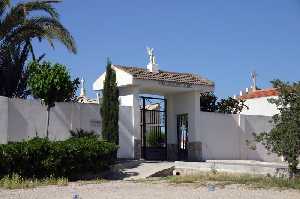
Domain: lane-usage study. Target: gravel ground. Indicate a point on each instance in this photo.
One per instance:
(145, 190)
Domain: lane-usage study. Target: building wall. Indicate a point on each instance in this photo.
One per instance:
(3, 119)
(223, 136)
(25, 119)
(260, 106)
(184, 103)
(212, 135)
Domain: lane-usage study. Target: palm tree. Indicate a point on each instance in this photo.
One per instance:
(19, 25)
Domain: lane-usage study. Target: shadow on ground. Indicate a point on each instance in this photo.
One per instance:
(138, 169)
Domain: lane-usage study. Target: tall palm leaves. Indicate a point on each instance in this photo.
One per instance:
(18, 26)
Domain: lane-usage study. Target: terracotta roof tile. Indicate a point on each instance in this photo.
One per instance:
(269, 92)
(143, 73)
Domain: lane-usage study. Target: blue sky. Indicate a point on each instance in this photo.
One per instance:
(221, 40)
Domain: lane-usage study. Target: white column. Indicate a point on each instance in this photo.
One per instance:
(136, 114)
(3, 120)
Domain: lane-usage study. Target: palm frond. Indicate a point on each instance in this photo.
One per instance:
(55, 30)
(18, 26)
(14, 17)
(44, 28)
(3, 5)
(41, 6)
(17, 14)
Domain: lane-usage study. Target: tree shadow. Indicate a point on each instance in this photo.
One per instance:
(119, 171)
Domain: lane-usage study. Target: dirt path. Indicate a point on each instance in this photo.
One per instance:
(145, 190)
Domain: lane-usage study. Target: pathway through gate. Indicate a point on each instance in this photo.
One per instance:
(154, 128)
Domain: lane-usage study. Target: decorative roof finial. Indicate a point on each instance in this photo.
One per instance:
(152, 65)
(254, 78)
(82, 89)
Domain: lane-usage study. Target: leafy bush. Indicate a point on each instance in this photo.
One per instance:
(80, 133)
(209, 103)
(155, 139)
(39, 158)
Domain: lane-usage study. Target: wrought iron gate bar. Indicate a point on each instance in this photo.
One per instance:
(153, 128)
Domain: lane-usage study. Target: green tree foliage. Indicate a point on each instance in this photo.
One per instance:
(209, 103)
(110, 107)
(19, 25)
(231, 105)
(284, 138)
(51, 83)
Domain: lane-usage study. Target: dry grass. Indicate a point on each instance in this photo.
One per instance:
(17, 182)
(96, 181)
(226, 179)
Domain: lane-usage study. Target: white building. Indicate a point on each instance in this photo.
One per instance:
(258, 103)
(179, 94)
(257, 100)
(177, 129)
(83, 98)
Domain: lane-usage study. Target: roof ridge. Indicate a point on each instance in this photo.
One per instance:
(164, 71)
(143, 73)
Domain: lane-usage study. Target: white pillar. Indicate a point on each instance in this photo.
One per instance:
(3, 120)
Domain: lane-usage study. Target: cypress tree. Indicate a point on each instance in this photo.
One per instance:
(110, 106)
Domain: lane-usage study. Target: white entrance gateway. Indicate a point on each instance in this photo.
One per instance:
(180, 93)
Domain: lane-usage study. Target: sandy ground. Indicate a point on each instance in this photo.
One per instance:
(145, 190)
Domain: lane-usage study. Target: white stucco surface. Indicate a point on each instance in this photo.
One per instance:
(3, 119)
(122, 79)
(260, 106)
(182, 103)
(25, 119)
(223, 136)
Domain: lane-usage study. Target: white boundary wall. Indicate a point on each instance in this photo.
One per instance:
(223, 136)
(24, 119)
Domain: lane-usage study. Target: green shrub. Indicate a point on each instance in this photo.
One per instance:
(40, 158)
(155, 139)
(80, 133)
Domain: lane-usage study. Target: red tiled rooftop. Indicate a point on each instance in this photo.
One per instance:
(269, 92)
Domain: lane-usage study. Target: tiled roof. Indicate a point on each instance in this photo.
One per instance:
(143, 73)
(269, 92)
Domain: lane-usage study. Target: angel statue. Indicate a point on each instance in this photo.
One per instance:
(152, 58)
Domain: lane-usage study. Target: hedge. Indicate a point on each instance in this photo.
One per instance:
(39, 158)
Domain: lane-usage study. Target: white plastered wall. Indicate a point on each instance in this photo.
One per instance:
(260, 106)
(223, 136)
(25, 119)
(122, 79)
(3, 119)
(182, 103)
(129, 96)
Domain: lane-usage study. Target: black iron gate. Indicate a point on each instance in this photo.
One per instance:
(182, 136)
(154, 128)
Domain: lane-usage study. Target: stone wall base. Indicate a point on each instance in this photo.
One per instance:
(172, 152)
(137, 149)
(194, 151)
